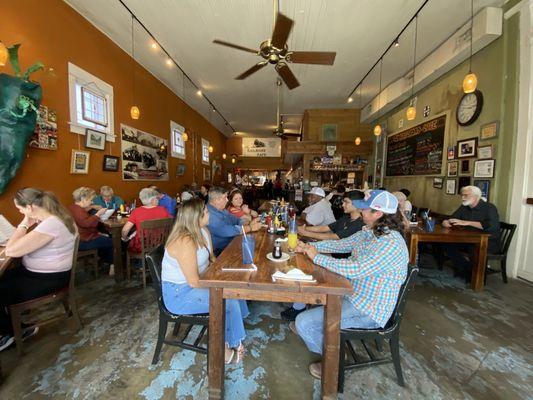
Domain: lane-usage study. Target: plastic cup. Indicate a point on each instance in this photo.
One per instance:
(248, 249)
(430, 225)
(292, 241)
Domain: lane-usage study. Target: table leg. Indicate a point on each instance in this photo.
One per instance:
(330, 354)
(215, 368)
(479, 262)
(117, 253)
(413, 250)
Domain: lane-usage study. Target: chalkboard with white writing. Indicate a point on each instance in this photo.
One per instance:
(417, 150)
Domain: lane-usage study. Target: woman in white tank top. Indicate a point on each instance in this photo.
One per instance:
(188, 252)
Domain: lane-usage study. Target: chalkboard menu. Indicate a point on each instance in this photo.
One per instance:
(417, 150)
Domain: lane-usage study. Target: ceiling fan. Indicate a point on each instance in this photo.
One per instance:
(279, 131)
(275, 51)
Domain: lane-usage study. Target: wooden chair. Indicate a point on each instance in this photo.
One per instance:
(65, 296)
(153, 233)
(506, 236)
(154, 260)
(391, 332)
(92, 257)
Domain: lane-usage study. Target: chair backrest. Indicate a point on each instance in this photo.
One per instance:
(153, 233)
(154, 260)
(396, 317)
(74, 263)
(506, 236)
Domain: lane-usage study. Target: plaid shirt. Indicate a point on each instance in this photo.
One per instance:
(376, 268)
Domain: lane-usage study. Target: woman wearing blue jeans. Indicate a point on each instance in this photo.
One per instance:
(188, 252)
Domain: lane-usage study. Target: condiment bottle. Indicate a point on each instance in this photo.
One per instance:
(276, 253)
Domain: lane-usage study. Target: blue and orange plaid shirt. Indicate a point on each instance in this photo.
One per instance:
(377, 267)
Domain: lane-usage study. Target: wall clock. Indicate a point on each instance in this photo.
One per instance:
(469, 108)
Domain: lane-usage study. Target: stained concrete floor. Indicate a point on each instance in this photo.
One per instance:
(456, 344)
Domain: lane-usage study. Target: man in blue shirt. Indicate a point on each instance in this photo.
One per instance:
(223, 225)
(165, 200)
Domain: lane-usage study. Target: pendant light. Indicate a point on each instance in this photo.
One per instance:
(224, 156)
(377, 128)
(3, 54)
(135, 113)
(470, 80)
(184, 136)
(411, 111)
(357, 141)
(210, 149)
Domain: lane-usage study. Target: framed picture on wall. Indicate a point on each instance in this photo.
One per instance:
(180, 170)
(489, 131)
(94, 139)
(484, 169)
(79, 163)
(451, 185)
(463, 181)
(484, 186)
(451, 152)
(453, 168)
(437, 183)
(484, 152)
(111, 163)
(465, 166)
(466, 148)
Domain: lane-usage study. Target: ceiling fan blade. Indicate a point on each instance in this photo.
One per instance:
(312, 57)
(235, 46)
(287, 75)
(282, 29)
(250, 71)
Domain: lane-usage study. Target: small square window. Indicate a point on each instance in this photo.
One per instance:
(93, 107)
(205, 151)
(176, 140)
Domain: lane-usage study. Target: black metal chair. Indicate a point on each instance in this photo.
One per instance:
(506, 236)
(154, 260)
(391, 332)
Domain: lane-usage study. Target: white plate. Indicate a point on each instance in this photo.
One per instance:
(284, 257)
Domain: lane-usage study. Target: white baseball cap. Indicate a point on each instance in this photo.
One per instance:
(318, 191)
(379, 200)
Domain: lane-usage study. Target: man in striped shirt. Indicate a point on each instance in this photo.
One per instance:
(376, 268)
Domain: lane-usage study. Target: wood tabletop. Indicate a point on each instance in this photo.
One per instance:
(442, 234)
(327, 281)
(115, 223)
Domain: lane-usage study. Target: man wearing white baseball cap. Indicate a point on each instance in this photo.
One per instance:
(376, 268)
(319, 213)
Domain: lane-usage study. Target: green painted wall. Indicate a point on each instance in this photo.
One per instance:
(496, 67)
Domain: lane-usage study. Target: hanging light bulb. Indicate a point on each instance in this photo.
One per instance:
(470, 80)
(470, 83)
(357, 141)
(210, 148)
(135, 112)
(377, 130)
(199, 92)
(350, 99)
(3, 54)
(224, 156)
(184, 136)
(411, 113)
(233, 160)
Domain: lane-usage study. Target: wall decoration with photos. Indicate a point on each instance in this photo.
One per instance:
(451, 186)
(45, 134)
(465, 167)
(94, 139)
(451, 152)
(111, 163)
(453, 168)
(463, 181)
(79, 163)
(437, 183)
(484, 152)
(484, 169)
(466, 148)
(489, 131)
(484, 186)
(144, 156)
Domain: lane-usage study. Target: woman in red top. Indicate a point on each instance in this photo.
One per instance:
(90, 237)
(238, 209)
(149, 210)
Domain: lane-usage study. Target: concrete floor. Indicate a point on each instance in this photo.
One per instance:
(456, 344)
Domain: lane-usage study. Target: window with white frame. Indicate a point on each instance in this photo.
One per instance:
(205, 151)
(91, 103)
(176, 140)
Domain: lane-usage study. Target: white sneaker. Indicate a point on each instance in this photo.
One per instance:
(6, 341)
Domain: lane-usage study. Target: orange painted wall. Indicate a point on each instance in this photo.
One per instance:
(52, 32)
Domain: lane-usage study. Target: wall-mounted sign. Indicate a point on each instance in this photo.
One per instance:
(261, 147)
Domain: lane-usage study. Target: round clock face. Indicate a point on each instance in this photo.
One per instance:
(469, 108)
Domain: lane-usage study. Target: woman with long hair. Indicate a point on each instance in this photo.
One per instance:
(188, 252)
(46, 253)
(237, 208)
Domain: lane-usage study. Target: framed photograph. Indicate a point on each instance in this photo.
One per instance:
(484, 152)
(79, 164)
(463, 181)
(111, 163)
(207, 174)
(451, 185)
(94, 139)
(465, 166)
(437, 183)
(329, 132)
(453, 168)
(484, 185)
(489, 131)
(484, 169)
(466, 148)
(451, 152)
(180, 170)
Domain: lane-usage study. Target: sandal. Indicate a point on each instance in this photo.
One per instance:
(228, 360)
(240, 354)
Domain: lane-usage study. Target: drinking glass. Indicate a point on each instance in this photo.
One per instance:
(248, 249)
(293, 241)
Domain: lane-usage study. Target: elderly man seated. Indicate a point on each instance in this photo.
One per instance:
(224, 226)
(107, 199)
(476, 214)
(319, 213)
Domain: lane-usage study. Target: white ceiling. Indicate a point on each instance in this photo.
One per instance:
(358, 30)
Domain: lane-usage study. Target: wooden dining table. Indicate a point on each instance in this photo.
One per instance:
(114, 227)
(480, 240)
(5, 261)
(258, 285)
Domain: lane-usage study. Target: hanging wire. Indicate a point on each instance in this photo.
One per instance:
(133, 60)
(380, 75)
(471, 33)
(414, 58)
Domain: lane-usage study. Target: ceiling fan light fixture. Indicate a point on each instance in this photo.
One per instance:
(377, 130)
(357, 141)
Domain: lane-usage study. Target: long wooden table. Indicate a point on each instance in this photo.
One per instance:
(5, 261)
(114, 226)
(258, 285)
(479, 239)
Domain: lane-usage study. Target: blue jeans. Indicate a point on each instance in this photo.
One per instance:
(184, 299)
(310, 324)
(103, 244)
